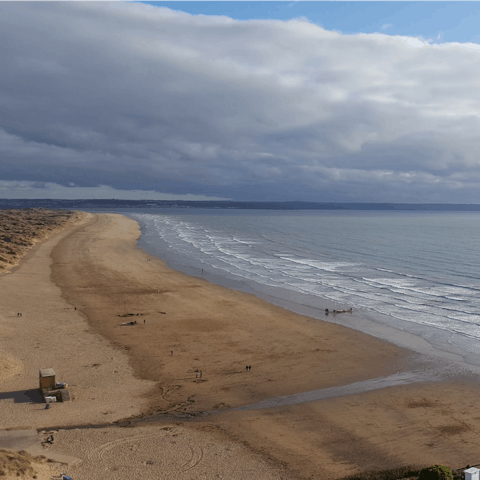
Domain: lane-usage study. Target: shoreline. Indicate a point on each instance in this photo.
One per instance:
(100, 274)
(229, 312)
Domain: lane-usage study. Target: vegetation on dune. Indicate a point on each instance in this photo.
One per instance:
(399, 473)
(21, 464)
(436, 472)
(21, 229)
(433, 472)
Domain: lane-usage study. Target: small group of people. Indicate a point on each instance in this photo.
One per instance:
(19, 314)
(198, 373)
(248, 368)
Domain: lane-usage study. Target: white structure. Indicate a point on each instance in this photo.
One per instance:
(472, 474)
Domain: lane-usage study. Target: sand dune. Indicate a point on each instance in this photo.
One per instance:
(20, 230)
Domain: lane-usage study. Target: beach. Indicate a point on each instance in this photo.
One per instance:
(155, 358)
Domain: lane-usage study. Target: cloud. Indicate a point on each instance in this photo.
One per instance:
(386, 25)
(43, 190)
(112, 97)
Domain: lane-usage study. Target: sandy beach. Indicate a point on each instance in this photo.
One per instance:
(162, 391)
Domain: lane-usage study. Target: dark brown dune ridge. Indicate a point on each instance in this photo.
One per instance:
(20, 230)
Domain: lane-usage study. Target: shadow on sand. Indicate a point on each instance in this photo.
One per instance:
(22, 396)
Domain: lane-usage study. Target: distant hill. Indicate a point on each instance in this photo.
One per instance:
(124, 204)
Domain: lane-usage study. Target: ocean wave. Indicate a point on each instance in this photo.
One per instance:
(428, 297)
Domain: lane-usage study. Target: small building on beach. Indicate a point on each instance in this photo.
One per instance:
(47, 379)
(51, 390)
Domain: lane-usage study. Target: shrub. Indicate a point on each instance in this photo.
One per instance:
(436, 472)
(389, 474)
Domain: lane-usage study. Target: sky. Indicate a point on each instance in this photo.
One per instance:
(257, 101)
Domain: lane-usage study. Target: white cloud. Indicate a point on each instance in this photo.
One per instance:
(386, 25)
(123, 96)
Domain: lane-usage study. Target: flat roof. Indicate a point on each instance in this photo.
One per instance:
(47, 372)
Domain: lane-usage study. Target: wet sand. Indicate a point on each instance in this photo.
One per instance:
(120, 372)
(209, 328)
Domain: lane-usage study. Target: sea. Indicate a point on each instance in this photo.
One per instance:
(417, 272)
(412, 272)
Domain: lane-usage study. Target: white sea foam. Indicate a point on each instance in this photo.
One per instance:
(418, 280)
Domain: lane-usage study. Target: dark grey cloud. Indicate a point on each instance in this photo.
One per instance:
(125, 96)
